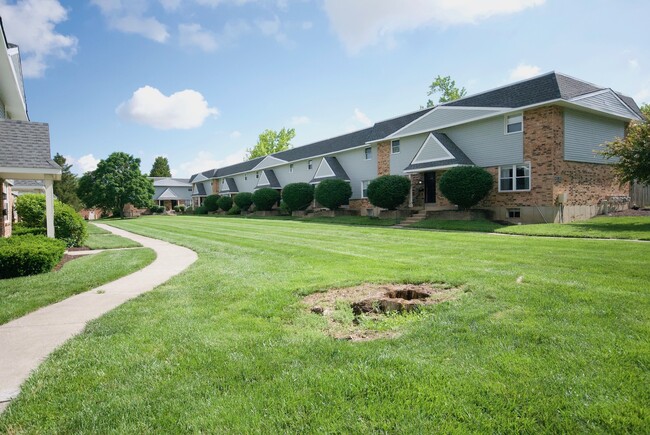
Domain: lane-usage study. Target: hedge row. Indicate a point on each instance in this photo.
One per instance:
(29, 255)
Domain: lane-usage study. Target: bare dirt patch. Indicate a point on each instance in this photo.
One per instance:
(365, 312)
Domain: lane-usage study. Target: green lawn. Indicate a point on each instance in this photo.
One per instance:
(628, 227)
(483, 226)
(99, 238)
(548, 335)
(23, 295)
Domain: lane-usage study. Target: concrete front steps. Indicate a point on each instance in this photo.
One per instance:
(417, 217)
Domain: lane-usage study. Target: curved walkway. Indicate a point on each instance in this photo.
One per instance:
(27, 341)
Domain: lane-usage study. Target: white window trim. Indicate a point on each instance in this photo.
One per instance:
(365, 154)
(364, 181)
(512, 115)
(514, 180)
(391, 146)
(310, 165)
(291, 168)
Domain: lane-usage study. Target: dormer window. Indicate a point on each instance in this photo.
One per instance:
(514, 123)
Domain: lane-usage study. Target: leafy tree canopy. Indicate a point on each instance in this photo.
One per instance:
(160, 168)
(66, 188)
(645, 109)
(271, 141)
(117, 181)
(633, 153)
(447, 89)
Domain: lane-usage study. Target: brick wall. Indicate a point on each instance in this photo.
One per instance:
(383, 158)
(215, 186)
(5, 220)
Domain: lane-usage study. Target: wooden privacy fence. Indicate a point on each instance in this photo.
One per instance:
(640, 195)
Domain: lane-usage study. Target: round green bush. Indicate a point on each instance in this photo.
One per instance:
(388, 191)
(29, 255)
(465, 186)
(211, 202)
(235, 210)
(69, 226)
(201, 210)
(244, 200)
(225, 203)
(265, 198)
(298, 196)
(333, 193)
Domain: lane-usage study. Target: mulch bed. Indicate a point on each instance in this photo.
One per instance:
(630, 212)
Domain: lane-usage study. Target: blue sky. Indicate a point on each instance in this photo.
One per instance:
(198, 80)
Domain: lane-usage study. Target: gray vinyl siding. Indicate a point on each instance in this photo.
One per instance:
(607, 102)
(584, 133)
(208, 187)
(246, 182)
(443, 116)
(486, 144)
(358, 168)
(300, 172)
(408, 148)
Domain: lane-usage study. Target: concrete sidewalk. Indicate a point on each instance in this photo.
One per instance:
(27, 341)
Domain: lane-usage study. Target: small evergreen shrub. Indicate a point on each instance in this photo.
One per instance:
(225, 203)
(284, 209)
(297, 196)
(465, 186)
(69, 226)
(20, 229)
(211, 202)
(244, 200)
(31, 209)
(265, 198)
(29, 255)
(201, 210)
(235, 210)
(388, 191)
(181, 208)
(333, 193)
(157, 208)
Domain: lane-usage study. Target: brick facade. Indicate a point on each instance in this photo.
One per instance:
(6, 219)
(383, 158)
(215, 186)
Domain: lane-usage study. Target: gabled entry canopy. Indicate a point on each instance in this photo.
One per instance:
(228, 185)
(437, 151)
(268, 179)
(329, 168)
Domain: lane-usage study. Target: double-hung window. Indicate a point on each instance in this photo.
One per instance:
(368, 153)
(514, 123)
(310, 164)
(394, 147)
(257, 174)
(364, 188)
(514, 178)
(291, 167)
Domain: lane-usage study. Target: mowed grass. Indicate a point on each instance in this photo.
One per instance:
(99, 238)
(483, 226)
(23, 295)
(620, 227)
(550, 335)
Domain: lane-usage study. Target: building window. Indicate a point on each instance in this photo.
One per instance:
(364, 188)
(514, 123)
(394, 147)
(514, 178)
(257, 174)
(245, 177)
(368, 153)
(310, 164)
(291, 168)
(514, 213)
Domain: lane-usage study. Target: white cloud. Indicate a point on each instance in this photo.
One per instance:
(181, 110)
(205, 160)
(31, 25)
(300, 120)
(362, 23)
(523, 72)
(170, 5)
(130, 17)
(643, 95)
(194, 34)
(235, 134)
(83, 164)
(306, 25)
(273, 28)
(362, 118)
(633, 63)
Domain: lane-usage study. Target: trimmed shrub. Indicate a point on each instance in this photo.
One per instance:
(29, 255)
(211, 202)
(69, 226)
(244, 200)
(284, 209)
(333, 193)
(225, 203)
(20, 230)
(297, 196)
(156, 209)
(265, 198)
(388, 191)
(201, 210)
(234, 210)
(465, 186)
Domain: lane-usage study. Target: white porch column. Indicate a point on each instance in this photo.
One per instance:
(49, 207)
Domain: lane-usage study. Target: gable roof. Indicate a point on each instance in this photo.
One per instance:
(25, 144)
(201, 176)
(199, 190)
(166, 194)
(452, 155)
(329, 168)
(170, 182)
(230, 186)
(268, 179)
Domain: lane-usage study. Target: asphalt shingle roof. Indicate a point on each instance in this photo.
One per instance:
(170, 182)
(200, 189)
(339, 172)
(25, 144)
(460, 158)
(231, 186)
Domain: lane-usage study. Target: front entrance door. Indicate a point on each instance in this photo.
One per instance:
(429, 187)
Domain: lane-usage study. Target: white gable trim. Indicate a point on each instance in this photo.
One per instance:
(264, 180)
(327, 170)
(267, 162)
(199, 178)
(412, 171)
(428, 141)
(576, 100)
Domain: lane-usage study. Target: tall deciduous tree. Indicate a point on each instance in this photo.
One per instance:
(117, 181)
(66, 188)
(160, 168)
(271, 141)
(645, 109)
(447, 89)
(633, 153)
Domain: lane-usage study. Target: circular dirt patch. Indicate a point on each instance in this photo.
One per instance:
(351, 311)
